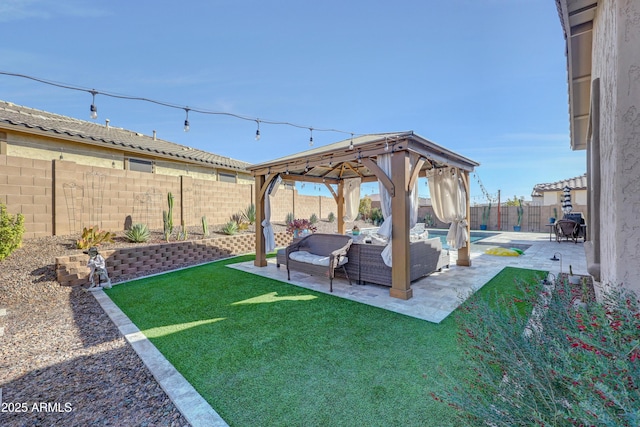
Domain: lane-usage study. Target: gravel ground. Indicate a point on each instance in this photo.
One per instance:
(62, 361)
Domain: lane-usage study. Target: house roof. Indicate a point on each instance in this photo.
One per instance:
(576, 183)
(16, 117)
(576, 18)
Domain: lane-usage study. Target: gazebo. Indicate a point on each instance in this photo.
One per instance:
(395, 161)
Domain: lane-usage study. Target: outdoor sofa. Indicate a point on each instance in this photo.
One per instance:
(366, 265)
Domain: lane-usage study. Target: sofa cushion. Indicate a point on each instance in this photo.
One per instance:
(309, 258)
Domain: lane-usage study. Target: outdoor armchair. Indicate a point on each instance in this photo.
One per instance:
(319, 254)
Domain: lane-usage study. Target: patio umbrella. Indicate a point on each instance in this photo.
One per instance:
(566, 200)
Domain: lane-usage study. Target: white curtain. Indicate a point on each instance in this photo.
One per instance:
(449, 201)
(384, 162)
(269, 238)
(351, 198)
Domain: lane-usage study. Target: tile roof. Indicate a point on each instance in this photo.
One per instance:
(112, 137)
(576, 183)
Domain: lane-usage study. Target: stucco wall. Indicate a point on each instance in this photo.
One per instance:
(616, 63)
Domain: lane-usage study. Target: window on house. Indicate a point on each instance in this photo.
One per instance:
(141, 165)
(227, 177)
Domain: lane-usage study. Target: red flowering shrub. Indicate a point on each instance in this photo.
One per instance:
(300, 224)
(554, 365)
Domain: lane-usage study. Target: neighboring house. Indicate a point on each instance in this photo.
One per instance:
(550, 194)
(30, 133)
(603, 62)
(64, 174)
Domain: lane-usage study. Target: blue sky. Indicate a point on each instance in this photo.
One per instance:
(484, 78)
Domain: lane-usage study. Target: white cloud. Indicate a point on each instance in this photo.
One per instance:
(16, 10)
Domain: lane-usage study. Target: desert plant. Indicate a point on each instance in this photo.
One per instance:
(183, 233)
(167, 218)
(519, 211)
(428, 220)
(250, 213)
(138, 233)
(570, 366)
(486, 213)
(313, 219)
(289, 218)
(205, 226)
(11, 232)
(230, 228)
(376, 216)
(93, 236)
(239, 219)
(331, 217)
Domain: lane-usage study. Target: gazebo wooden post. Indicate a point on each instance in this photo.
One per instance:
(341, 207)
(400, 207)
(464, 254)
(261, 255)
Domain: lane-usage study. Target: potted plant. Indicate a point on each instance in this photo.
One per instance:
(519, 211)
(552, 219)
(298, 227)
(486, 212)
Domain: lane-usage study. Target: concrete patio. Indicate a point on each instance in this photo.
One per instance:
(437, 295)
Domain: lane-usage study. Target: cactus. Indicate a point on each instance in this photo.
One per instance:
(167, 218)
(205, 227)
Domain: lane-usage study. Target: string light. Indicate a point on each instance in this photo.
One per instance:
(386, 144)
(186, 120)
(93, 109)
(306, 168)
(258, 131)
(311, 137)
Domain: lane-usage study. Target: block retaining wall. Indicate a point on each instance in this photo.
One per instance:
(134, 261)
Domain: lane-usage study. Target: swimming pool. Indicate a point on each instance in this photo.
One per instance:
(474, 237)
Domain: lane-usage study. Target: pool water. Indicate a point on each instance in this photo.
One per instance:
(474, 237)
(438, 232)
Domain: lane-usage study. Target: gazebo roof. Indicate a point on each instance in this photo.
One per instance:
(343, 159)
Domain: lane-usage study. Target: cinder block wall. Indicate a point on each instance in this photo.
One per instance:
(126, 263)
(61, 197)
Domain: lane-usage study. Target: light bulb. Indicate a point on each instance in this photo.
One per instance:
(94, 111)
(186, 126)
(258, 135)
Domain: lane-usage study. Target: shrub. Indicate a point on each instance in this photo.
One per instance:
(138, 233)
(92, 236)
(376, 216)
(250, 213)
(289, 218)
(365, 208)
(562, 365)
(331, 217)
(313, 219)
(238, 218)
(11, 231)
(230, 228)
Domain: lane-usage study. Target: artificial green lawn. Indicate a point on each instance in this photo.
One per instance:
(267, 353)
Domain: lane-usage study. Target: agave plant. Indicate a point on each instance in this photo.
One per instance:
(230, 228)
(138, 233)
